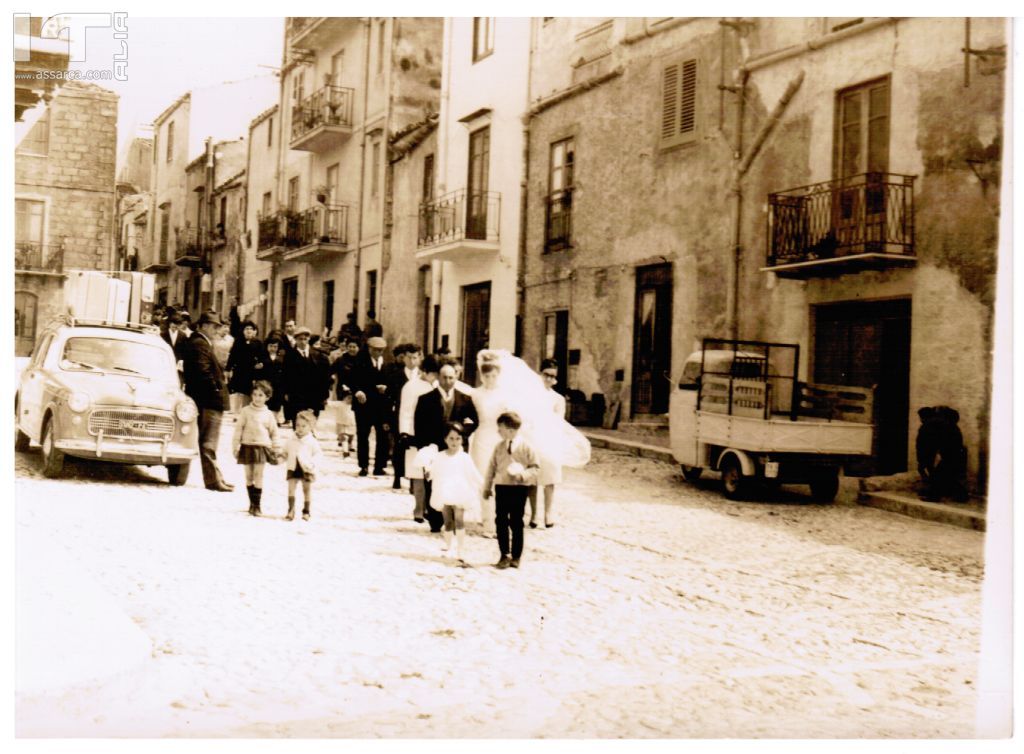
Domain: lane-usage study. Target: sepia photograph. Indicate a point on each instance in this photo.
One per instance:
(523, 378)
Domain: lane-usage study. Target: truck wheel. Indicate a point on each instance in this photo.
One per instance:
(21, 440)
(53, 459)
(177, 474)
(825, 486)
(692, 473)
(733, 482)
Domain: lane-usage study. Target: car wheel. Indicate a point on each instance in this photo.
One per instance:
(734, 484)
(692, 473)
(825, 486)
(177, 474)
(21, 440)
(53, 459)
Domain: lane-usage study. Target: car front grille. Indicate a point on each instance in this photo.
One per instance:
(131, 425)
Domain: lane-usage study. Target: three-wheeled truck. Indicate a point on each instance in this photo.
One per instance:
(739, 408)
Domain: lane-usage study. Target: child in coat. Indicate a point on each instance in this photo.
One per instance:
(303, 455)
(512, 471)
(456, 488)
(255, 440)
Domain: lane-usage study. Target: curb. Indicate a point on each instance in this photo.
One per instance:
(633, 447)
(967, 517)
(943, 513)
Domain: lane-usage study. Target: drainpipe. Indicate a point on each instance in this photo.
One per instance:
(743, 166)
(387, 218)
(278, 173)
(737, 210)
(362, 172)
(524, 193)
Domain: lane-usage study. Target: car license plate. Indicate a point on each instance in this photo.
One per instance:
(771, 469)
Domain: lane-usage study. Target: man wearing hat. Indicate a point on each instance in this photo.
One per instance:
(307, 377)
(372, 405)
(204, 384)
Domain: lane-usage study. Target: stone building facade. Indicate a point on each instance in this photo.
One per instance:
(832, 183)
(65, 202)
(347, 85)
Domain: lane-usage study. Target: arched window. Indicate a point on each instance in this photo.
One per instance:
(25, 309)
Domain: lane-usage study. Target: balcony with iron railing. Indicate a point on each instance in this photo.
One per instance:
(558, 221)
(316, 33)
(192, 248)
(861, 222)
(459, 223)
(32, 257)
(323, 120)
(322, 231)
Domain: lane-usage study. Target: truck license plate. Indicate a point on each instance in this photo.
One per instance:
(771, 469)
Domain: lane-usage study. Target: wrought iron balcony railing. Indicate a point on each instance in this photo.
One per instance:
(324, 224)
(30, 256)
(458, 216)
(871, 213)
(329, 106)
(192, 243)
(558, 221)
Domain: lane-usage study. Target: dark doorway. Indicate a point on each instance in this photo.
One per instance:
(652, 339)
(556, 344)
(476, 322)
(868, 345)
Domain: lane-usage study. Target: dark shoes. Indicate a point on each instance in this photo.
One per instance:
(505, 562)
(533, 524)
(514, 563)
(417, 520)
(379, 472)
(362, 472)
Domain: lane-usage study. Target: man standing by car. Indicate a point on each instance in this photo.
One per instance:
(177, 340)
(204, 384)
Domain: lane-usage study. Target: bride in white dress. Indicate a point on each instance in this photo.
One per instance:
(508, 384)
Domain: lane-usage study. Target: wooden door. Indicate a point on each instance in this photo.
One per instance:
(652, 339)
(868, 345)
(476, 323)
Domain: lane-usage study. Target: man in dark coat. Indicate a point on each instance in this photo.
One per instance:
(398, 374)
(204, 384)
(307, 377)
(177, 340)
(941, 455)
(433, 410)
(372, 406)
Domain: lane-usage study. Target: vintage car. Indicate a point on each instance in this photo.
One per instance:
(105, 392)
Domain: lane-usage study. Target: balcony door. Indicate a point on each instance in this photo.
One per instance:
(476, 323)
(861, 162)
(476, 185)
(652, 339)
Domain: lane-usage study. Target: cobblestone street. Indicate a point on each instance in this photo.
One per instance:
(653, 609)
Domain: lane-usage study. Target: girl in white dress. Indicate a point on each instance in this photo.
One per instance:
(457, 487)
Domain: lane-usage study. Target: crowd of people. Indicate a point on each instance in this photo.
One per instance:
(469, 454)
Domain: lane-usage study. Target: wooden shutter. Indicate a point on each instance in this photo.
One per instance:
(678, 103)
(688, 98)
(670, 102)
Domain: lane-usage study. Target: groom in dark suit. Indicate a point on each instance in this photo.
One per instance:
(433, 410)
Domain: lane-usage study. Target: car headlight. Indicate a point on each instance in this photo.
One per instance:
(186, 410)
(79, 402)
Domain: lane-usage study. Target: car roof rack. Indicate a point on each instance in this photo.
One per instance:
(72, 321)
